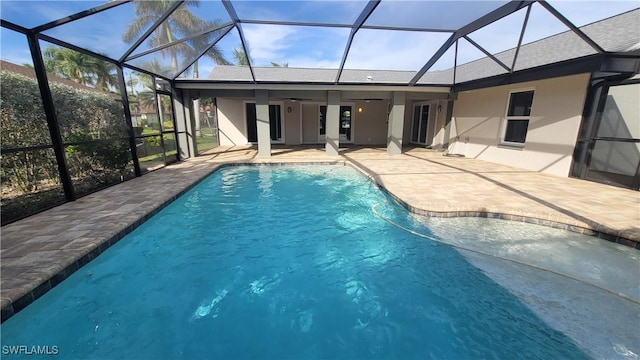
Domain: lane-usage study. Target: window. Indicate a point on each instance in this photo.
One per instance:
(518, 114)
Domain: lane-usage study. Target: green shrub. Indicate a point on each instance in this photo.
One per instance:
(86, 119)
(23, 123)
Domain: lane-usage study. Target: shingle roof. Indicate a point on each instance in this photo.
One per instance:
(278, 74)
(619, 33)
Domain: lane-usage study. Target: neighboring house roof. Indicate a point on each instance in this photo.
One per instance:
(30, 72)
(619, 33)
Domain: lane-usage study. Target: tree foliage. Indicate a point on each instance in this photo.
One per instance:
(240, 56)
(90, 122)
(180, 24)
(80, 68)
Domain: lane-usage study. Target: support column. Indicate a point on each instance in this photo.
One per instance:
(447, 125)
(127, 117)
(50, 114)
(332, 134)
(262, 123)
(396, 124)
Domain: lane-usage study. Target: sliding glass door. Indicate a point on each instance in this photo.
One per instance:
(346, 128)
(275, 123)
(421, 126)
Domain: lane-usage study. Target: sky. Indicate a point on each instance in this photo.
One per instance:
(312, 47)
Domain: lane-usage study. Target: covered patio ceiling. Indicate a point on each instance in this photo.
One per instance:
(406, 43)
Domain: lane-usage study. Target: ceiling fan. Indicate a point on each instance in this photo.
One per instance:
(293, 99)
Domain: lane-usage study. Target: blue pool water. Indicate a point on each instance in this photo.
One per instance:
(291, 262)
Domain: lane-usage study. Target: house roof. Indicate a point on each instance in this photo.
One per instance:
(618, 34)
(289, 74)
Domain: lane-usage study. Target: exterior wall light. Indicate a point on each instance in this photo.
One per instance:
(289, 109)
(360, 109)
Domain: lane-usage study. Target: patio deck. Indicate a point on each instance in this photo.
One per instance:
(39, 252)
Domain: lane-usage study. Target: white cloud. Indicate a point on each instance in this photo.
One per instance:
(297, 46)
(266, 42)
(393, 50)
(320, 47)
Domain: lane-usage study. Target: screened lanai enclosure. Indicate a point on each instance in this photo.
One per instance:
(96, 93)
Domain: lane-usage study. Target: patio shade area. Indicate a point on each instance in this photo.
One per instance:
(42, 250)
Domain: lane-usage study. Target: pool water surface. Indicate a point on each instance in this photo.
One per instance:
(291, 262)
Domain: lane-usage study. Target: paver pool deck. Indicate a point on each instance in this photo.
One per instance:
(39, 252)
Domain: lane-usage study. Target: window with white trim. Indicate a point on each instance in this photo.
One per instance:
(518, 116)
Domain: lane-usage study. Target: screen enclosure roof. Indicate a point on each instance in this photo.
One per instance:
(328, 42)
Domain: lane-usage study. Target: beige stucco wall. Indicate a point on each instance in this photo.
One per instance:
(553, 128)
(370, 124)
(439, 117)
(309, 123)
(292, 123)
(231, 122)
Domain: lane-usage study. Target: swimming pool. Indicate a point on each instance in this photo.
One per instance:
(292, 262)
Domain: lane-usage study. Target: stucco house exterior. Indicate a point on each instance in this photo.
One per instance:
(542, 111)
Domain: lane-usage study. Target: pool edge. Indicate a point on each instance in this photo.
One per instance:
(29, 296)
(23, 300)
(602, 232)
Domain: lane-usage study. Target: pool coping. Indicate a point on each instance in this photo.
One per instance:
(17, 302)
(601, 232)
(28, 297)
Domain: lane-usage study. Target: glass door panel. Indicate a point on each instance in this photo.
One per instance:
(420, 125)
(322, 122)
(424, 122)
(345, 123)
(415, 128)
(252, 127)
(275, 123)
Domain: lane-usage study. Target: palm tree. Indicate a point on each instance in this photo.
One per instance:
(181, 23)
(241, 57)
(80, 68)
(66, 63)
(200, 43)
(105, 77)
(147, 95)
